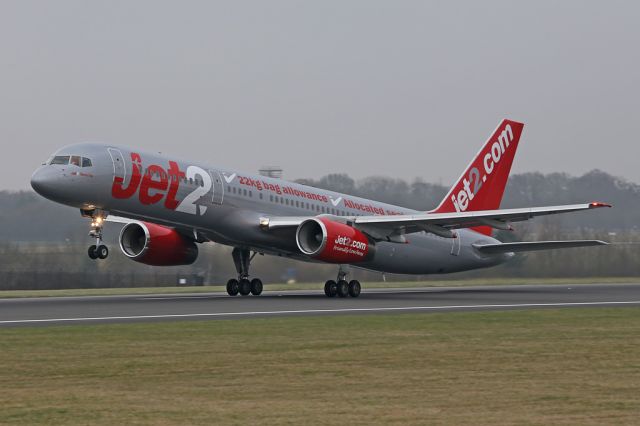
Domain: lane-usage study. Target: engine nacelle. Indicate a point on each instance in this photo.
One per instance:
(333, 242)
(156, 245)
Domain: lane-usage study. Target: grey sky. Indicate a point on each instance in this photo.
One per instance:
(396, 88)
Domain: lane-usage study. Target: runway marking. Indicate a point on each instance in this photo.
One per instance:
(180, 297)
(322, 311)
(278, 293)
(281, 293)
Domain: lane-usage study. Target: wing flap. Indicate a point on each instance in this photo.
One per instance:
(535, 246)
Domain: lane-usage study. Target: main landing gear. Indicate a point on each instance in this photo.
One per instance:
(341, 287)
(97, 250)
(242, 259)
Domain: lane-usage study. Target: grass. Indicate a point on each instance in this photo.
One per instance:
(6, 294)
(572, 366)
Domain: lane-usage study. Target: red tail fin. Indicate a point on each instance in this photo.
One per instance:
(482, 184)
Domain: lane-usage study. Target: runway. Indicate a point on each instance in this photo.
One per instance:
(209, 306)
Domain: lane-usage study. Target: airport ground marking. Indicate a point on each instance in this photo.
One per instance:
(321, 311)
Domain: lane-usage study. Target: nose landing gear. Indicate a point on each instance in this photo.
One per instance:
(97, 250)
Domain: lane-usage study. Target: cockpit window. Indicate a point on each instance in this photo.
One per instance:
(75, 160)
(60, 159)
(86, 162)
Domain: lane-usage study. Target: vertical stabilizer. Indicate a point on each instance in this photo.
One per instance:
(482, 184)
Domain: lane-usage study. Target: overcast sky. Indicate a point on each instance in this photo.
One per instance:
(397, 88)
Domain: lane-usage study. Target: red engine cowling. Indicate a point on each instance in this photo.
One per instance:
(333, 242)
(156, 245)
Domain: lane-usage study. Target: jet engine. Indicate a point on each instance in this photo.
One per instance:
(156, 245)
(333, 242)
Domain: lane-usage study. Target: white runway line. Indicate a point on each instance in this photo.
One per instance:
(321, 311)
(179, 297)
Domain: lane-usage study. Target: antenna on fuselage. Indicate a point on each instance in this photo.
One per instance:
(271, 171)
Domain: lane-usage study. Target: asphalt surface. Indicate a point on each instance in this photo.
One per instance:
(208, 306)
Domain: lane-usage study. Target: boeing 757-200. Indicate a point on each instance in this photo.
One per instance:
(169, 206)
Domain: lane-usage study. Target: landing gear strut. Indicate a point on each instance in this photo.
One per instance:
(341, 287)
(97, 250)
(242, 259)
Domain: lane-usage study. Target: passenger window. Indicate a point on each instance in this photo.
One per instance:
(60, 159)
(75, 161)
(86, 162)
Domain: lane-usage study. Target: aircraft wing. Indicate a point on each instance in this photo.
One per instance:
(189, 232)
(120, 219)
(392, 227)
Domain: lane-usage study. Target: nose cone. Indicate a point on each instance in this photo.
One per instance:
(43, 182)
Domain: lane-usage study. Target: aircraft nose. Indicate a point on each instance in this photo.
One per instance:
(43, 182)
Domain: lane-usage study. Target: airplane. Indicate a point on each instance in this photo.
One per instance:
(169, 206)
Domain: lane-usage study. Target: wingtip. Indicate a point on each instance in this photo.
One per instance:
(597, 204)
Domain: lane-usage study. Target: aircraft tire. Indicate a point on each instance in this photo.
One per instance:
(330, 288)
(92, 252)
(256, 287)
(343, 288)
(102, 252)
(244, 287)
(354, 288)
(232, 287)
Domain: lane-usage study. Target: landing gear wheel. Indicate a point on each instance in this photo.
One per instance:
(354, 288)
(343, 288)
(244, 287)
(256, 287)
(102, 252)
(92, 252)
(330, 288)
(232, 287)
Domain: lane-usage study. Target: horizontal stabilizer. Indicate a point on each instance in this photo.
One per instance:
(534, 246)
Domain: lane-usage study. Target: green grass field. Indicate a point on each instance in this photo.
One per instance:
(571, 366)
(314, 286)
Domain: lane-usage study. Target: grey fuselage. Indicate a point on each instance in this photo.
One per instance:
(225, 206)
